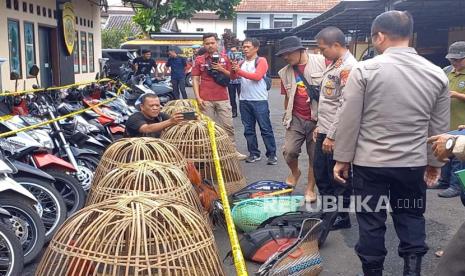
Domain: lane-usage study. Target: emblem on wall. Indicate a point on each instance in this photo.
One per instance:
(68, 26)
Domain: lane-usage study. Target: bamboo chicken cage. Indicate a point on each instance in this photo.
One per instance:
(146, 176)
(192, 139)
(170, 110)
(133, 235)
(181, 103)
(128, 150)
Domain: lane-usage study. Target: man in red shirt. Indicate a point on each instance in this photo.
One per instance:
(301, 110)
(212, 93)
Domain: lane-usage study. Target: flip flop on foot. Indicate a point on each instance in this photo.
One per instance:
(292, 180)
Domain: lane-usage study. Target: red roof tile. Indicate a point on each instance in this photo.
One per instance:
(285, 6)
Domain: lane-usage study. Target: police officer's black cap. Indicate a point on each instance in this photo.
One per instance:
(145, 51)
(289, 44)
(456, 50)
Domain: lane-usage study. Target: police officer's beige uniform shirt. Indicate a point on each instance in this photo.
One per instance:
(391, 104)
(334, 80)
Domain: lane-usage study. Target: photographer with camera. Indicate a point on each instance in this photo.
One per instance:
(211, 76)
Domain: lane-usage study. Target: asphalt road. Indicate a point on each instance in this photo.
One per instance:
(443, 216)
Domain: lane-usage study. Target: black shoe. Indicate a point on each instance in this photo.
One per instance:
(412, 265)
(234, 114)
(273, 160)
(341, 223)
(371, 272)
(253, 159)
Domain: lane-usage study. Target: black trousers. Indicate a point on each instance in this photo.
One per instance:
(405, 190)
(233, 90)
(323, 165)
(179, 88)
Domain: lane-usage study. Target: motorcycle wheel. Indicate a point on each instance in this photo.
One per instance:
(51, 203)
(26, 224)
(70, 189)
(87, 165)
(11, 252)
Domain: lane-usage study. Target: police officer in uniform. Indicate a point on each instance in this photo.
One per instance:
(456, 74)
(332, 44)
(392, 103)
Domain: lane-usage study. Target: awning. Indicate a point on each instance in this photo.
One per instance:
(349, 16)
(356, 16)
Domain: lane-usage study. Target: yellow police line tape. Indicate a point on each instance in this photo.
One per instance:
(238, 258)
(72, 114)
(18, 93)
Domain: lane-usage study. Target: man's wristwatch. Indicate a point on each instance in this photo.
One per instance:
(450, 143)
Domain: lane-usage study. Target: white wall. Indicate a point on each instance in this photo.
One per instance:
(208, 26)
(83, 9)
(241, 20)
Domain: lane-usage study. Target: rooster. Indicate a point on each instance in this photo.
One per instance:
(208, 196)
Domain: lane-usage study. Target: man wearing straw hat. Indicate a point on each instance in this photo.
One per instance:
(303, 70)
(391, 104)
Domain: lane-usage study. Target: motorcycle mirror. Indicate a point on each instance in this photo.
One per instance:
(34, 71)
(97, 76)
(35, 86)
(14, 75)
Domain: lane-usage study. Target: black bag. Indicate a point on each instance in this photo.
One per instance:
(259, 245)
(267, 77)
(218, 77)
(295, 219)
(312, 90)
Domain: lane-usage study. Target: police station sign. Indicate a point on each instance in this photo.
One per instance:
(68, 26)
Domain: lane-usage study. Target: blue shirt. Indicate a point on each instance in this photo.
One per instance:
(177, 66)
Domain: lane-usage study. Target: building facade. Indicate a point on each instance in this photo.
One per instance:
(205, 22)
(273, 14)
(33, 33)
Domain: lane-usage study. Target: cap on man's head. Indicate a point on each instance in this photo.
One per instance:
(456, 50)
(145, 51)
(289, 44)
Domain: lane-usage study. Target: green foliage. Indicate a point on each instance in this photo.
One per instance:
(162, 11)
(112, 38)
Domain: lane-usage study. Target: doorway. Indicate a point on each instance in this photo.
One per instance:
(46, 58)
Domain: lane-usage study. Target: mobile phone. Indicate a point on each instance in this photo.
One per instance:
(188, 116)
(215, 58)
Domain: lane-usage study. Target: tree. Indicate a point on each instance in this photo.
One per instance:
(150, 15)
(230, 40)
(112, 38)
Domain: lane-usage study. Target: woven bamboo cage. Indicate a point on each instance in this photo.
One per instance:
(170, 110)
(146, 176)
(128, 150)
(192, 139)
(133, 235)
(181, 103)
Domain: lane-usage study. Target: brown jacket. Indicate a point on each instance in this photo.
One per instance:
(314, 75)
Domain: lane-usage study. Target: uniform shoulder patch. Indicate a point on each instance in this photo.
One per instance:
(344, 76)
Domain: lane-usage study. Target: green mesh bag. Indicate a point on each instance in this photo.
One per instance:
(250, 213)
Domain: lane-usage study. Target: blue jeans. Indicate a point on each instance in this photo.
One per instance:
(447, 173)
(148, 80)
(253, 112)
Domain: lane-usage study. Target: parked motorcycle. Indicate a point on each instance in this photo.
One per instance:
(11, 251)
(50, 202)
(25, 220)
(25, 148)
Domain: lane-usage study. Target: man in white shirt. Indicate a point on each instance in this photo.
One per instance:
(253, 102)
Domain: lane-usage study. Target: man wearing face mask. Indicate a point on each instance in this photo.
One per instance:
(332, 44)
(391, 104)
